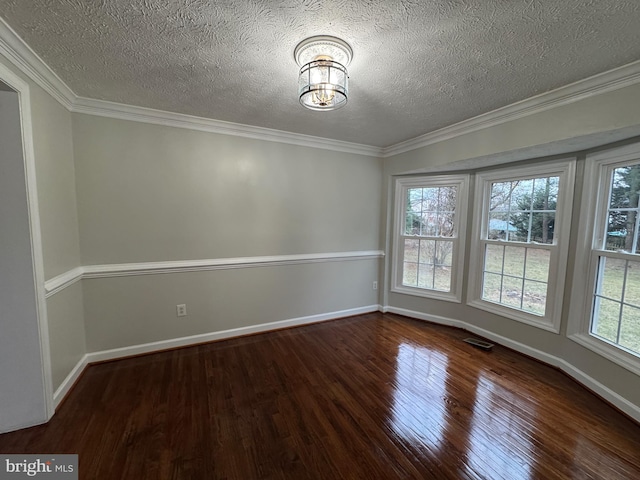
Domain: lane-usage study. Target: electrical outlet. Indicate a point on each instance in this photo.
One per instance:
(375, 285)
(181, 310)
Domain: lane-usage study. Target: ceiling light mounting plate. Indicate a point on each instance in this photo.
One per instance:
(323, 45)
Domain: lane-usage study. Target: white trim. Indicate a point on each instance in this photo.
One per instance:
(59, 283)
(133, 113)
(152, 268)
(565, 170)
(594, 201)
(427, 317)
(151, 347)
(71, 379)
(21, 55)
(401, 186)
(24, 99)
(589, 382)
(212, 336)
(63, 281)
(608, 81)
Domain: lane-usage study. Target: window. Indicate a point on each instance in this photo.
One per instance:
(607, 318)
(518, 259)
(429, 242)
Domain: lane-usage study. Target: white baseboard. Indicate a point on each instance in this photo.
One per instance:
(589, 382)
(68, 382)
(612, 397)
(234, 332)
(123, 352)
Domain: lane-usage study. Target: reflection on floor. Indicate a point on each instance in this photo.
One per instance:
(368, 397)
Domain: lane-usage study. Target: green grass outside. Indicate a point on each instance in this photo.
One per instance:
(516, 277)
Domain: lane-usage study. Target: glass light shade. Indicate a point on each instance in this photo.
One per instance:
(323, 85)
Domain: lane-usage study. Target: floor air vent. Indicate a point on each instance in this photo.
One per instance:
(476, 342)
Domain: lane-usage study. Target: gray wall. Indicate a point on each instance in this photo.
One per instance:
(569, 128)
(149, 193)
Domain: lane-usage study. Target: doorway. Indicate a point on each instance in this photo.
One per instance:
(25, 377)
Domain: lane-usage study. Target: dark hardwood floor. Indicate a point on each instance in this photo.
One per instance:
(368, 397)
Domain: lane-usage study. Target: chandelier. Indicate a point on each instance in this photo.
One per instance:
(323, 78)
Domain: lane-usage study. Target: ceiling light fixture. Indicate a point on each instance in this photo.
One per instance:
(323, 78)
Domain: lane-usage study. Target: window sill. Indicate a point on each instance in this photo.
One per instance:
(518, 316)
(432, 294)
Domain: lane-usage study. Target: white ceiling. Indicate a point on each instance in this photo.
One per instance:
(419, 65)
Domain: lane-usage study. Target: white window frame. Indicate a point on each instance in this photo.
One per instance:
(595, 199)
(559, 249)
(402, 185)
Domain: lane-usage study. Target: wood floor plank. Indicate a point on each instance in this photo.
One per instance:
(368, 397)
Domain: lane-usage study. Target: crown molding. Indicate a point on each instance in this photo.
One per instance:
(133, 113)
(615, 79)
(30, 64)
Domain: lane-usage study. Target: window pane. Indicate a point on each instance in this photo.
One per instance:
(537, 264)
(535, 297)
(500, 196)
(493, 258)
(425, 276)
(511, 292)
(632, 289)
(410, 274)
(521, 198)
(519, 227)
(546, 193)
(427, 249)
(413, 219)
(630, 328)
(621, 230)
(446, 224)
(491, 287)
(514, 261)
(498, 226)
(542, 225)
(605, 318)
(430, 199)
(429, 222)
(625, 188)
(442, 278)
(411, 250)
(612, 278)
(443, 253)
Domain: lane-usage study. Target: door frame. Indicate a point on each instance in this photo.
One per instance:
(22, 88)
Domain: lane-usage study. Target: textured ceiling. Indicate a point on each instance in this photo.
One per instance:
(418, 65)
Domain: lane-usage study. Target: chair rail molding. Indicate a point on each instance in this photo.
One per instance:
(59, 283)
